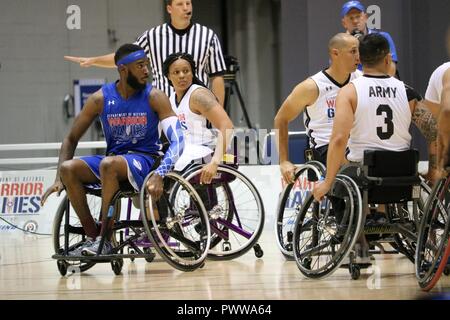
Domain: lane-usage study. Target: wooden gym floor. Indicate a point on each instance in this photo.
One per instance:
(28, 272)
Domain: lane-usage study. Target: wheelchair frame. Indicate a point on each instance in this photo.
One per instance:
(432, 254)
(233, 225)
(393, 227)
(140, 239)
(284, 222)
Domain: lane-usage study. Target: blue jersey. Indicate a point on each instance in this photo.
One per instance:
(129, 125)
(389, 39)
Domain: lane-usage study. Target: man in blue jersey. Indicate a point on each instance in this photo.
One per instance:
(130, 111)
(354, 20)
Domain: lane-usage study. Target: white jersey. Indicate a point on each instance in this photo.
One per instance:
(318, 117)
(382, 116)
(200, 141)
(434, 90)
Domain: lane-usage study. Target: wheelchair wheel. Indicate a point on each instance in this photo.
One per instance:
(290, 202)
(75, 234)
(181, 236)
(433, 247)
(409, 215)
(326, 231)
(235, 210)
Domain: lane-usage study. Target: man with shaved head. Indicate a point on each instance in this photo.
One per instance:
(316, 97)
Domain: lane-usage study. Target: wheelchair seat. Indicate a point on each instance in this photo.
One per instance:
(388, 176)
(126, 190)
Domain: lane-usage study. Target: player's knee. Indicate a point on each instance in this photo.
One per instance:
(67, 170)
(109, 165)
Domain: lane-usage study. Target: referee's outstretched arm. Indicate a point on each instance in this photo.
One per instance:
(106, 61)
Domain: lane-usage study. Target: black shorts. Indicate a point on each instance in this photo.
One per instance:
(320, 154)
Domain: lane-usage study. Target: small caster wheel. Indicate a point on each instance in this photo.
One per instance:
(306, 263)
(62, 267)
(447, 270)
(151, 255)
(290, 237)
(355, 271)
(288, 247)
(116, 266)
(258, 251)
(131, 251)
(226, 246)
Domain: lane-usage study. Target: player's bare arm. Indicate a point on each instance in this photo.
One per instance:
(444, 123)
(86, 117)
(303, 95)
(204, 102)
(427, 124)
(161, 104)
(342, 125)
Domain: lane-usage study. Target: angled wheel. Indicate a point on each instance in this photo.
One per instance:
(409, 215)
(433, 247)
(179, 230)
(71, 236)
(235, 210)
(290, 202)
(326, 231)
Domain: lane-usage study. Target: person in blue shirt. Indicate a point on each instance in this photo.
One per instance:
(354, 20)
(131, 112)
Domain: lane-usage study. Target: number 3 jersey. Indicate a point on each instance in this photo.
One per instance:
(318, 117)
(382, 116)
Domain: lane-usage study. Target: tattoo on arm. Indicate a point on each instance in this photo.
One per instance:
(204, 99)
(427, 125)
(425, 121)
(432, 160)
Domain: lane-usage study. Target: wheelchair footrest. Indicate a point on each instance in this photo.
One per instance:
(381, 229)
(103, 258)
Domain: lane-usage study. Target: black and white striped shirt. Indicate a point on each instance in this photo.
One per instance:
(199, 41)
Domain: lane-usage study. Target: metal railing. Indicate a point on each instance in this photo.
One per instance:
(42, 147)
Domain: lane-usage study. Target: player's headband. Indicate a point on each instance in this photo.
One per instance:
(132, 57)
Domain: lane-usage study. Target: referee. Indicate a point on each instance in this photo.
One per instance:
(180, 35)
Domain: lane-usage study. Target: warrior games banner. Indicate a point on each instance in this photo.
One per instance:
(20, 201)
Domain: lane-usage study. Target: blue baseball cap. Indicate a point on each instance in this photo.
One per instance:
(352, 5)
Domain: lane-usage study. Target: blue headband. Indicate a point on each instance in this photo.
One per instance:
(132, 57)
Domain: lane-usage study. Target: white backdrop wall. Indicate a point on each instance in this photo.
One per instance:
(34, 77)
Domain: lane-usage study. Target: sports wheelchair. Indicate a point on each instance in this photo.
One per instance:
(290, 202)
(235, 210)
(433, 249)
(180, 237)
(328, 233)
